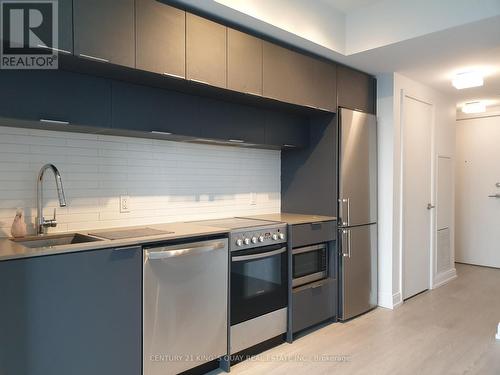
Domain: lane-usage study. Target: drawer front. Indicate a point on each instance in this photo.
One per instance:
(313, 304)
(309, 234)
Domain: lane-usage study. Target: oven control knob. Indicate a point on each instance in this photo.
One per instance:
(247, 241)
(254, 239)
(239, 242)
(281, 236)
(275, 236)
(261, 238)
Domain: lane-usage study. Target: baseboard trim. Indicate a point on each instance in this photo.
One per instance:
(389, 301)
(397, 300)
(444, 278)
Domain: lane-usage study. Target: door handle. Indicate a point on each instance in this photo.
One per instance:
(430, 206)
(347, 215)
(166, 253)
(346, 243)
(242, 258)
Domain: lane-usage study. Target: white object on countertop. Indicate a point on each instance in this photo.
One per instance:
(18, 228)
(498, 332)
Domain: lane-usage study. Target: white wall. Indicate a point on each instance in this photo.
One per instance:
(391, 88)
(477, 172)
(166, 181)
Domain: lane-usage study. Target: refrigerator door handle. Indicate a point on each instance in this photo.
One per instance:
(346, 219)
(346, 242)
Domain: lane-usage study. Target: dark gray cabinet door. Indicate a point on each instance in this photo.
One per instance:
(104, 30)
(279, 76)
(65, 25)
(232, 122)
(205, 51)
(324, 85)
(160, 38)
(148, 109)
(355, 90)
(62, 96)
(286, 130)
(78, 314)
(295, 78)
(244, 62)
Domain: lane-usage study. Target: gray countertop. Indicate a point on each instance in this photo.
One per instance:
(293, 219)
(13, 250)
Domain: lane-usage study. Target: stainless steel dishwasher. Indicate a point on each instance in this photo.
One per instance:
(185, 305)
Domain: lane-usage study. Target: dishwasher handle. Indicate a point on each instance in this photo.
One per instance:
(166, 252)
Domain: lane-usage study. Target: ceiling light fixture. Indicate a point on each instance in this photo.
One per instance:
(467, 79)
(474, 107)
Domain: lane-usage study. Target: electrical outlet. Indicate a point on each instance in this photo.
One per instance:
(253, 199)
(124, 203)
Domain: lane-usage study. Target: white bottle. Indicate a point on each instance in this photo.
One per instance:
(18, 228)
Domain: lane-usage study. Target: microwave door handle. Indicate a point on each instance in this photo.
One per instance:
(242, 258)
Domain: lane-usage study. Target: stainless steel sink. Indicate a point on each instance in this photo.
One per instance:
(55, 240)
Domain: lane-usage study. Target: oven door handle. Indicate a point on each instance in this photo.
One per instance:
(242, 258)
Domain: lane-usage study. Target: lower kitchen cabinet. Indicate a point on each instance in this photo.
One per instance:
(77, 313)
(55, 97)
(314, 303)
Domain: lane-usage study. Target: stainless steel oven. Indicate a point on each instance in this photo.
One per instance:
(309, 264)
(258, 282)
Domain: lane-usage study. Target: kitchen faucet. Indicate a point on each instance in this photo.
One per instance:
(41, 223)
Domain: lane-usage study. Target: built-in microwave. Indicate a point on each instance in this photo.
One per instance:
(309, 264)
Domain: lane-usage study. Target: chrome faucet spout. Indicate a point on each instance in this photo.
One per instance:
(41, 223)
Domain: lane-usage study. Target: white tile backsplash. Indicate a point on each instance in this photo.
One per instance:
(166, 181)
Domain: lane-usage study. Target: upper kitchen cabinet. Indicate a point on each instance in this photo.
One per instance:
(104, 30)
(148, 109)
(244, 62)
(65, 26)
(295, 78)
(356, 90)
(324, 85)
(286, 130)
(160, 38)
(55, 97)
(205, 51)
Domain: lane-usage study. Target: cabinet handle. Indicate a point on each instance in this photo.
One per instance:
(54, 122)
(199, 81)
(236, 140)
(252, 93)
(93, 58)
(54, 49)
(162, 133)
(288, 145)
(173, 75)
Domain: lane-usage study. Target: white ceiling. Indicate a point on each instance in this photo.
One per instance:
(428, 41)
(433, 59)
(347, 6)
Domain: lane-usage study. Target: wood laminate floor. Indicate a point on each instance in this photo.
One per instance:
(450, 330)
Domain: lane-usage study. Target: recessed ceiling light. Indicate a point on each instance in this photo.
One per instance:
(474, 107)
(467, 79)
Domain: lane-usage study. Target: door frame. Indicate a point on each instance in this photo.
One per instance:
(433, 167)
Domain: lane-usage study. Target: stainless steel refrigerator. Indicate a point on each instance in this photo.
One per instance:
(357, 211)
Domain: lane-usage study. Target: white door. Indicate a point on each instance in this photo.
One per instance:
(477, 237)
(416, 130)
